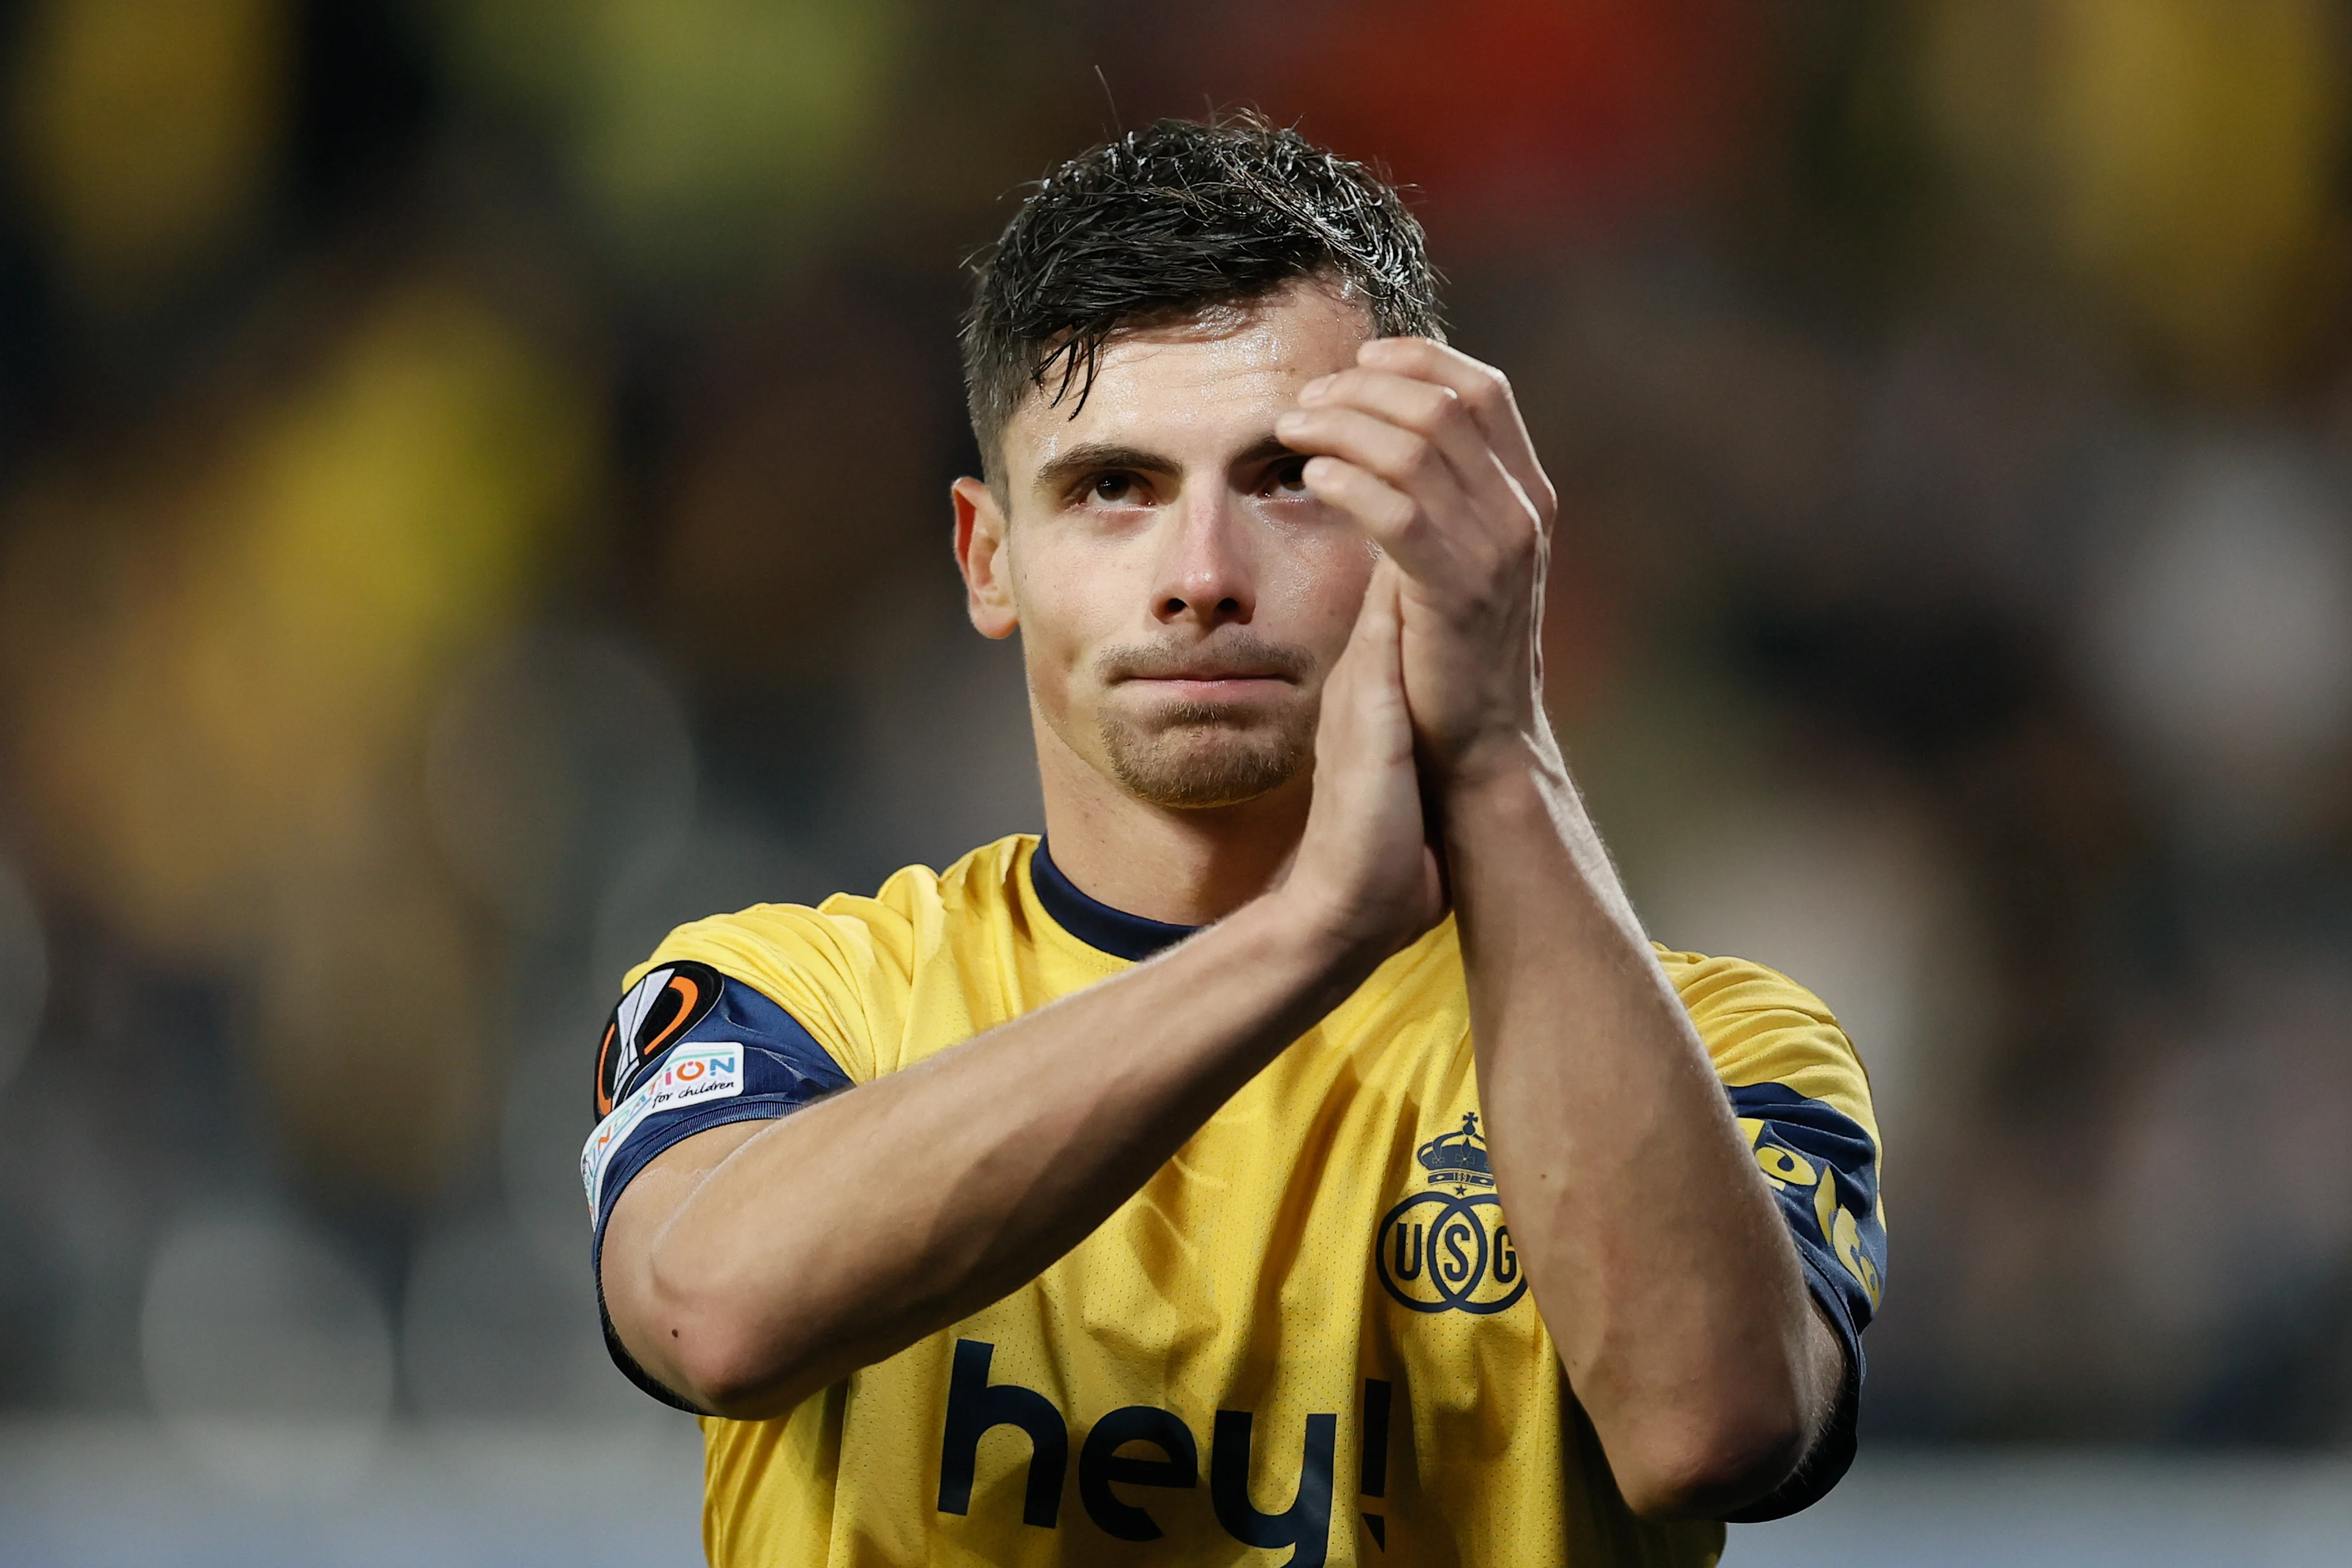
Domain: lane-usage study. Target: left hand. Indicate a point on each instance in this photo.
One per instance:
(1424, 447)
(1364, 870)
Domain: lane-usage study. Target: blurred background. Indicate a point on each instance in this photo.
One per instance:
(472, 495)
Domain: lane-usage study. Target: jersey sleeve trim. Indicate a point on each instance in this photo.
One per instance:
(742, 1057)
(1823, 1169)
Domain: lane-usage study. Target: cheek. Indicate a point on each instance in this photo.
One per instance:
(1062, 594)
(1322, 589)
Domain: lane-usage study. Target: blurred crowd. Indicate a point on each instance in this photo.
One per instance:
(472, 495)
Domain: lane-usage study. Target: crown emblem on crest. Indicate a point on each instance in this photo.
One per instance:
(1457, 1160)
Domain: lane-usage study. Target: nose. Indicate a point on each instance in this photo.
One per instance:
(1204, 572)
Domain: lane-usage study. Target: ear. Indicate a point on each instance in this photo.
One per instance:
(979, 553)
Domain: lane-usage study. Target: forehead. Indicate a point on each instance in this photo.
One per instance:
(1207, 375)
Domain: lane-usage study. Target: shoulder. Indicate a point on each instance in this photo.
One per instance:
(847, 930)
(843, 967)
(1760, 1026)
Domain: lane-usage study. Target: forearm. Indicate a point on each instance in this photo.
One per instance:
(847, 1231)
(1656, 1256)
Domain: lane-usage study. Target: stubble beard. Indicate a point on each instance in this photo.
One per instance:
(1196, 756)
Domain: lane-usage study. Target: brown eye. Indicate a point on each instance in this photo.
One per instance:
(1114, 486)
(1290, 476)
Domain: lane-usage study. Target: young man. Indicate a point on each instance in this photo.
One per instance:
(1145, 1201)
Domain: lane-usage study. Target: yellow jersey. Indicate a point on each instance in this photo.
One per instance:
(1306, 1339)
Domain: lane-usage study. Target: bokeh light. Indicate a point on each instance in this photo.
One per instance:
(697, 131)
(267, 1353)
(148, 136)
(2222, 635)
(24, 973)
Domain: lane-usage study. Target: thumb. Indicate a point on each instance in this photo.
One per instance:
(1372, 652)
(1373, 647)
(1363, 701)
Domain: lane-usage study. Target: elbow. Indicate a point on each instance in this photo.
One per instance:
(722, 1357)
(731, 1369)
(726, 1372)
(1706, 1466)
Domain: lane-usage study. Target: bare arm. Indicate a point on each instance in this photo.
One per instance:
(748, 1268)
(1653, 1246)
(1656, 1255)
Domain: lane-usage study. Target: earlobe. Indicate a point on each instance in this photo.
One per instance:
(979, 545)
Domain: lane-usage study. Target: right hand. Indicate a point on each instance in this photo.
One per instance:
(1364, 871)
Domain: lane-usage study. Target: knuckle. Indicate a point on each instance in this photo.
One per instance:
(1431, 407)
(1538, 498)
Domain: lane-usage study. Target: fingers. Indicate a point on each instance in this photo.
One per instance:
(1428, 439)
(1442, 546)
(1372, 651)
(1368, 675)
(1413, 459)
(1401, 523)
(1398, 487)
(1424, 464)
(1486, 394)
(1380, 623)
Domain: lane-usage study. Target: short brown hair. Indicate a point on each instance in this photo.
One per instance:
(1167, 221)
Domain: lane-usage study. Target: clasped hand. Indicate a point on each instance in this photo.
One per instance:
(1438, 689)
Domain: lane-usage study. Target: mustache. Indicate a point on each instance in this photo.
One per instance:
(1236, 654)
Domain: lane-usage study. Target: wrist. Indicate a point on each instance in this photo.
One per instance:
(1506, 769)
(1329, 939)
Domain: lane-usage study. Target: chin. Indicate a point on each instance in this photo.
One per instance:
(1199, 766)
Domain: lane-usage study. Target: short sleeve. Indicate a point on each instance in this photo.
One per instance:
(1802, 1102)
(687, 1049)
(841, 971)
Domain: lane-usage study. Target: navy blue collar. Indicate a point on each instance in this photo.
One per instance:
(1093, 923)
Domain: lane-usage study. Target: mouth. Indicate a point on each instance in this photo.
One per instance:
(1234, 672)
(1209, 687)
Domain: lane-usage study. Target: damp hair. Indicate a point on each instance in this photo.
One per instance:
(1167, 223)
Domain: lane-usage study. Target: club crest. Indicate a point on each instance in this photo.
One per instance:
(1446, 1249)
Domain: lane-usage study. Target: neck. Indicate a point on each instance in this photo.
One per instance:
(1183, 867)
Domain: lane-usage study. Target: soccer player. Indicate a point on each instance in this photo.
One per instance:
(1300, 1154)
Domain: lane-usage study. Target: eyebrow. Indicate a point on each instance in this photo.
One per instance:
(1111, 457)
(1099, 456)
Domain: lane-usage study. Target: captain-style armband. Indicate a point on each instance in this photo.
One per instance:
(686, 1050)
(1824, 1169)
